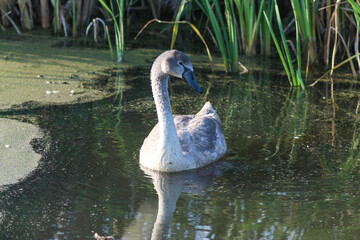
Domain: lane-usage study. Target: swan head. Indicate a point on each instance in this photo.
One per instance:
(178, 64)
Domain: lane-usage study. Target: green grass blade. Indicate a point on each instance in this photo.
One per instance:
(56, 9)
(257, 24)
(233, 41)
(278, 49)
(176, 25)
(300, 80)
(298, 47)
(285, 45)
(110, 44)
(217, 30)
(354, 6)
(118, 26)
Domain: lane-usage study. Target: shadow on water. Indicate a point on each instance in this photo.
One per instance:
(291, 171)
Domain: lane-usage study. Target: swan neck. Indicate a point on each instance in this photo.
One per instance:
(168, 135)
(169, 154)
(162, 99)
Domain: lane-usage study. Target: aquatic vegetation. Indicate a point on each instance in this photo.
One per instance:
(174, 35)
(26, 14)
(249, 23)
(96, 29)
(310, 30)
(118, 25)
(304, 16)
(225, 34)
(285, 56)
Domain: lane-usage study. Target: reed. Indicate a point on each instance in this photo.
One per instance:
(26, 14)
(45, 20)
(249, 22)
(182, 22)
(225, 33)
(110, 44)
(293, 77)
(176, 24)
(356, 8)
(118, 26)
(305, 16)
(3, 11)
(265, 32)
(57, 24)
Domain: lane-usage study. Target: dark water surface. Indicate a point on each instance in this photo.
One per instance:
(292, 171)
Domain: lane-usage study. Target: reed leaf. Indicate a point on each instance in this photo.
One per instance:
(356, 9)
(225, 31)
(265, 33)
(285, 45)
(335, 67)
(281, 55)
(176, 24)
(249, 23)
(118, 26)
(207, 9)
(110, 44)
(182, 22)
(305, 14)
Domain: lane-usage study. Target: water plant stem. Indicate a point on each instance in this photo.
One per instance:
(118, 26)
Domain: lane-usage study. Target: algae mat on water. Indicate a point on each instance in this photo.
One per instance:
(31, 70)
(18, 158)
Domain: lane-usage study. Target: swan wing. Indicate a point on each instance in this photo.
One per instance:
(201, 137)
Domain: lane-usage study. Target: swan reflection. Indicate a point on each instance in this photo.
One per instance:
(169, 187)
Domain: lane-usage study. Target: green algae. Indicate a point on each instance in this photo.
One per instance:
(33, 71)
(18, 158)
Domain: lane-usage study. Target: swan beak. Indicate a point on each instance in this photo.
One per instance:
(189, 76)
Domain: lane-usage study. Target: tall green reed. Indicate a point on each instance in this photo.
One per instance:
(176, 24)
(265, 32)
(305, 15)
(356, 9)
(249, 23)
(225, 34)
(294, 77)
(118, 26)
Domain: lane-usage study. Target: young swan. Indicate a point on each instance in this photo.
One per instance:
(180, 142)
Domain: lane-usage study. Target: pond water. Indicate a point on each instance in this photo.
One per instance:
(292, 171)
